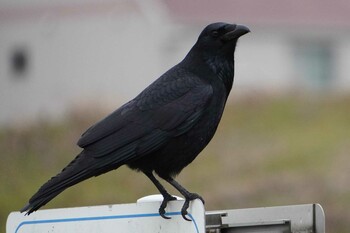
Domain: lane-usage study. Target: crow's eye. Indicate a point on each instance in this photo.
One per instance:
(215, 33)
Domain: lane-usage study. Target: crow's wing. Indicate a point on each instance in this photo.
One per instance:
(167, 108)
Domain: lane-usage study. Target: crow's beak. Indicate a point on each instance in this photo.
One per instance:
(234, 32)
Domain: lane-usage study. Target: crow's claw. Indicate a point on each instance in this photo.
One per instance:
(189, 197)
(162, 214)
(184, 217)
(200, 198)
(184, 210)
(162, 207)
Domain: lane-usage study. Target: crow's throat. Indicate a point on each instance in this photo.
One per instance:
(224, 69)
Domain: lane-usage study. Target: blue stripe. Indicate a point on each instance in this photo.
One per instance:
(102, 218)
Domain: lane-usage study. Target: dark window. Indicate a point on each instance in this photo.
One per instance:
(19, 62)
(314, 63)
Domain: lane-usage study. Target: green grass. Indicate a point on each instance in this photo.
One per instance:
(267, 151)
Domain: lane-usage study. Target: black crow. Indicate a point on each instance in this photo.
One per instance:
(162, 129)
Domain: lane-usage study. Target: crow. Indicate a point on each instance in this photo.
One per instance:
(162, 129)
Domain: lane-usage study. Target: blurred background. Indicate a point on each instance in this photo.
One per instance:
(285, 135)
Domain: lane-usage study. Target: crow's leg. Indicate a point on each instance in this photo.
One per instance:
(187, 195)
(166, 196)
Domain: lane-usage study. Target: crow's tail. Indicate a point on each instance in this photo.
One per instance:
(81, 168)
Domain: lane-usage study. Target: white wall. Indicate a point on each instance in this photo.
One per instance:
(342, 83)
(77, 60)
(263, 63)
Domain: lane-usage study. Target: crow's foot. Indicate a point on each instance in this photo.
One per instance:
(162, 207)
(189, 197)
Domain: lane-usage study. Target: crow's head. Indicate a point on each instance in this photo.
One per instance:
(220, 38)
(215, 47)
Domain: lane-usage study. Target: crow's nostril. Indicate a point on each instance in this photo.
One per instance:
(230, 27)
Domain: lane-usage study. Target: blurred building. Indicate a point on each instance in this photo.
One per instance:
(294, 45)
(56, 55)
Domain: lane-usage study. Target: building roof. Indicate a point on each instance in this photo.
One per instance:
(35, 10)
(264, 12)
